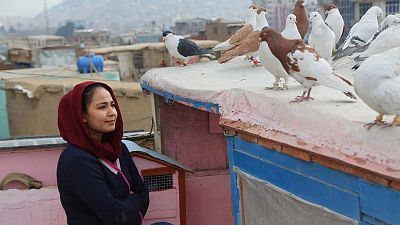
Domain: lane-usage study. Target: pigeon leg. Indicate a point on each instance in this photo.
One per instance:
(303, 98)
(378, 121)
(285, 85)
(395, 123)
(177, 61)
(275, 85)
(299, 98)
(308, 95)
(255, 62)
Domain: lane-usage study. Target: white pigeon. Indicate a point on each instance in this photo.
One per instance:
(363, 29)
(250, 44)
(389, 20)
(387, 39)
(334, 20)
(248, 27)
(321, 38)
(270, 62)
(377, 83)
(305, 65)
(261, 23)
(291, 31)
(182, 48)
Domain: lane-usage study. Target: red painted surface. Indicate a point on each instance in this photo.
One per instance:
(186, 137)
(194, 138)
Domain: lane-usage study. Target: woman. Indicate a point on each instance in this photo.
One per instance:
(97, 179)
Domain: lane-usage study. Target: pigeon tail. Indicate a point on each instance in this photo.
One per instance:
(223, 46)
(205, 51)
(339, 83)
(358, 60)
(228, 55)
(356, 66)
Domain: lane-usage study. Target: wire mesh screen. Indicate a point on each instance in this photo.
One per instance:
(158, 182)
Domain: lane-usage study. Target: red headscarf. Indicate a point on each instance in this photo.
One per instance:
(74, 130)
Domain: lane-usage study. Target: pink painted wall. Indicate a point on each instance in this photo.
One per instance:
(208, 199)
(27, 207)
(43, 206)
(41, 164)
(194, 138)
(164, 205)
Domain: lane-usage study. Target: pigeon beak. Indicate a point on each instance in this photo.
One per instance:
(303, 4)
(163, 38)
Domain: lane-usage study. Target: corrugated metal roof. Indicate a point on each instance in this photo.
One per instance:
(48, 141)
(133, 147)
(31, 142)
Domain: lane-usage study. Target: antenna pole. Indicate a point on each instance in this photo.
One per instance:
(46, 17)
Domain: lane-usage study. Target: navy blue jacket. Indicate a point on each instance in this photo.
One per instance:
(91, 194)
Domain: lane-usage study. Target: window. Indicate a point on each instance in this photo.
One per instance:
(392, 7)
(347, 10)
(364, 8)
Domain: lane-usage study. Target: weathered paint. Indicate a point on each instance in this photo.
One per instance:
(210, 107)
(4, 127)
(233, 179)
(186, 136)
(208, 200)
(41, 164)
(164, 205)
(340, 192)
(27, 207)
(19, 207)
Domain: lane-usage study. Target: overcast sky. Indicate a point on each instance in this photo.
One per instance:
(26, 8)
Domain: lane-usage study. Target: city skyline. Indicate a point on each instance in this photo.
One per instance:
(24, 8)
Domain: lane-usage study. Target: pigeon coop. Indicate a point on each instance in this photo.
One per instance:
(310, 163)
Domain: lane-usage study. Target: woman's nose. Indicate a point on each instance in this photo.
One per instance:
(112, 111)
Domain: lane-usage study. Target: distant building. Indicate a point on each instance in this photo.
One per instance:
(353, 10)
(189, 26)
(279, 9)
(39, 41)
(148, 37)
(92, 37)
(221, 30)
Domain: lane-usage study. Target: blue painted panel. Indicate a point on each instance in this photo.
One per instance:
(378, 205)
(310, 169)
(4, 126)
(371, 220)
(308, 188)
(210, 107)
(380, 202)
(233, 179)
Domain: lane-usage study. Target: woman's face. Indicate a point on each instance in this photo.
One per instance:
(101, 114)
